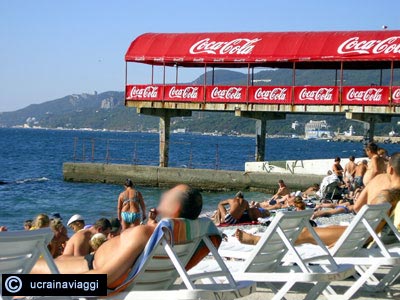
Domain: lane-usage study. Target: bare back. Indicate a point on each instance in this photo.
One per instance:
(237, 207)
(371, 191)
(360, 170)
(129, 200)
(350, 168)
(376, 166)
(78, 244)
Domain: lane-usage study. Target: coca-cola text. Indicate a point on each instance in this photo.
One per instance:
(183, 93)
(232, 93)
(396, 95)
(275, 94)
(322, 94)
(148, 92)
(369, 95)
(355, 45)
(239, 46)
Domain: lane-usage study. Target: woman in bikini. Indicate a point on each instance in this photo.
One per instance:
(129, 204)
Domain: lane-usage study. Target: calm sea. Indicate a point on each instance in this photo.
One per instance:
(31, 165)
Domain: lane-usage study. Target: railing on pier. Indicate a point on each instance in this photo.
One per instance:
(183, 154)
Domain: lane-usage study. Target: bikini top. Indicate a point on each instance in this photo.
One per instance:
(134, 199)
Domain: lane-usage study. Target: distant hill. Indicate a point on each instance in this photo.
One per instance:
(107, 111)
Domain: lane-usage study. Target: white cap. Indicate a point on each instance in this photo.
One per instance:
(75, 218)
(298, 194)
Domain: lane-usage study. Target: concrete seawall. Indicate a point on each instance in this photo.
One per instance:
(212, 180)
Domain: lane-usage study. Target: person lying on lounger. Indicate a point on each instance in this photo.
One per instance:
(117, 255)
(330, 209)
(382, 188)
(284, 202)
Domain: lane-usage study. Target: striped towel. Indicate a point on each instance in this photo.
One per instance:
(177, 231)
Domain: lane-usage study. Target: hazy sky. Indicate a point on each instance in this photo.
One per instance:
(49, 49)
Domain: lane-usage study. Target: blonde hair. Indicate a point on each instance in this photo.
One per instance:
(97, 240)
(41, 221)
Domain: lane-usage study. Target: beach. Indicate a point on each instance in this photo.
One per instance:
(34, 183)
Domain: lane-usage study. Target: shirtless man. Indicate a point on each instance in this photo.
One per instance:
(282, 191)
(349, 169)
(238, 210)
(338, 169)
(78, 244)
(130, 202)
(377, 164)
(117, 255)
(359, 173)
(274, 202)
(380, 190)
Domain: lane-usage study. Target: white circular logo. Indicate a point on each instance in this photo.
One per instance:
(13, 284)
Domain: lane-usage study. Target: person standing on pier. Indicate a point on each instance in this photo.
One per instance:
(130, 202)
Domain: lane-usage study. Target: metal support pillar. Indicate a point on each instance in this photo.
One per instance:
(369, 121)
(261, 134)
(165, 116)
(369, 131)
(261, 128)
(165, 122)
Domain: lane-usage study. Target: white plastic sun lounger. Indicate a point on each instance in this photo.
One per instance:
(349, 248)
(264, 262)
(20, 250)
(165, 260)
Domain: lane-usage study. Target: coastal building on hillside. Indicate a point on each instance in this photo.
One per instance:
(317, 130)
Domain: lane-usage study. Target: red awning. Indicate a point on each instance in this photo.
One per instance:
(263, 48)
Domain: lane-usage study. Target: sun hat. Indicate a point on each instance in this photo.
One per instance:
(75, 218)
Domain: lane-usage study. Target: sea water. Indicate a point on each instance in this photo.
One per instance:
(31, 166)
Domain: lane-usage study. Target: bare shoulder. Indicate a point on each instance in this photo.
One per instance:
(383, 178)
(375, 159)
(382, 197)
(129, 233)
(231, 200)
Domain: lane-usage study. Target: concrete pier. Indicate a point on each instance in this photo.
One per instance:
(261, 128)
(210, 180)
(165, 122)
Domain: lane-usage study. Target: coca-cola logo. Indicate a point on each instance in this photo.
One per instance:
(239, 46)
(276, 94)
(183, 93)
(322, 94)
(232, 93)
(369, 95)
(396, 95)
(355, 45)
(146, 92)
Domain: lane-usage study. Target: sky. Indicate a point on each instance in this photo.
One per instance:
(50, 49)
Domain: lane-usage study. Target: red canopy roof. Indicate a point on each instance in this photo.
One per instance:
(259, 48)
